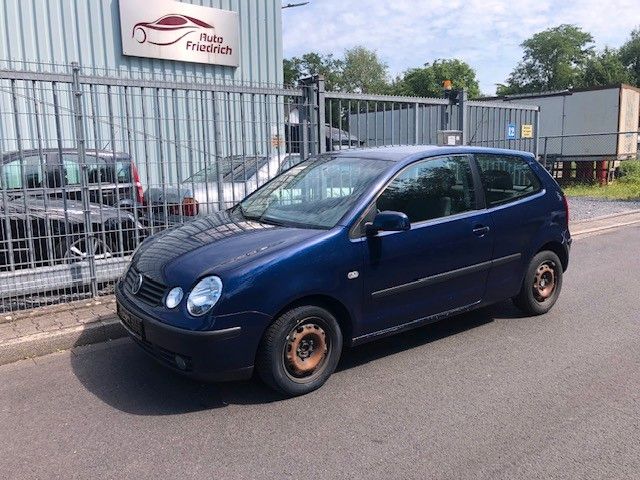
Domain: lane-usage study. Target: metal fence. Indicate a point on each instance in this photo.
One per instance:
(588, 158)
(92, 165)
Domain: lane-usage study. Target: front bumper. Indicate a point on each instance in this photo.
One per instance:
(215, 355)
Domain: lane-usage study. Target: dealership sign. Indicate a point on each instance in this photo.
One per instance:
(179, 31)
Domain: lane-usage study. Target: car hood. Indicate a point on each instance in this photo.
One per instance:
(211, 244)
(57, 208)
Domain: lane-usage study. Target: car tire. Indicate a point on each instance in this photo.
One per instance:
(300, 350)
(73, 249)
(541, 285)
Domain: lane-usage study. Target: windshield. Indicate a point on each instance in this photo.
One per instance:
(315, 193)
(237, 168)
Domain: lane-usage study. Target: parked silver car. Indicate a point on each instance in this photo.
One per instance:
(200, 193)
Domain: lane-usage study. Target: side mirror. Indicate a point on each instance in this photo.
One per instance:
(388, 221)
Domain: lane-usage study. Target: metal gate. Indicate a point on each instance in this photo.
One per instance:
(92, 165)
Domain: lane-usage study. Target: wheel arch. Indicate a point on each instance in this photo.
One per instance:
(332, 304)
(559, 250)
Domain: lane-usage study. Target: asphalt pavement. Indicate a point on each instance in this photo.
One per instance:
(490, 395)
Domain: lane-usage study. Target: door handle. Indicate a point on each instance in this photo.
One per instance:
(481, 230)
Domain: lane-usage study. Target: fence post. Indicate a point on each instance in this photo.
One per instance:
(84, 179)
(415, 123)
(304, 114)
(217, 152)
(462, 115)
(320, 99)
(536, 129)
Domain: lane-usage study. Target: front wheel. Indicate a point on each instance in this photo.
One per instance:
(78, 248)
(542, 284)
(300, 350)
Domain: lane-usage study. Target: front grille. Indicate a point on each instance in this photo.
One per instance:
(150, 292)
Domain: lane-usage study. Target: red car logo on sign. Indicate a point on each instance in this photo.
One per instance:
(167, 30)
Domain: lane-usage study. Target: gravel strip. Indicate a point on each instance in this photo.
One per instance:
(584, 208)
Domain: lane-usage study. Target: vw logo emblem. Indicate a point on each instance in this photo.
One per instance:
(135, 288)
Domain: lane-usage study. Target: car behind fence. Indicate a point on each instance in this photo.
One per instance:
(92, 165)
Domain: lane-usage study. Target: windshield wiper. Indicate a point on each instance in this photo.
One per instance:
(245, 216)
(271, 221)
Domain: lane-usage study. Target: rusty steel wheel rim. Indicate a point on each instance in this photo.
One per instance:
(305, 349)
(544, 282)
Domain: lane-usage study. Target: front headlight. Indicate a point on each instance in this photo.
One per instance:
(204, 296)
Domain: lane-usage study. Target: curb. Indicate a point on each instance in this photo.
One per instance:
(588, 231)
(39, 344)
(606, 217)
(604, 223)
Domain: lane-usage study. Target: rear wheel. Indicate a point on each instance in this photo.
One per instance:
(542, 284)
(300, 350)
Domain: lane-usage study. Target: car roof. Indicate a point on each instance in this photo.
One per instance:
(412, 152)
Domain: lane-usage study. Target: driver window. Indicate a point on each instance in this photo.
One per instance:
(431, 189)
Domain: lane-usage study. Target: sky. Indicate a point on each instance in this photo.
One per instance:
(484, 33)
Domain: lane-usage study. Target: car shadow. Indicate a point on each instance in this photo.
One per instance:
(121, 375)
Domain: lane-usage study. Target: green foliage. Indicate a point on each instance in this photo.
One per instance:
(364, 72)
(604, 68)
(630, 171)
(427, 81)
(558, 58)
(313, 63)
(553, 60)
(630, 56)
(291, 70)
(360, 70)
(627, 187)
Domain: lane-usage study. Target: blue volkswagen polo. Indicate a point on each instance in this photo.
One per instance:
(342, 249)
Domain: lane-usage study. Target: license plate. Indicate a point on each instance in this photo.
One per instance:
(133, 324)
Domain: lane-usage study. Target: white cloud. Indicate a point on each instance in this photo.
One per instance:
(484, 33)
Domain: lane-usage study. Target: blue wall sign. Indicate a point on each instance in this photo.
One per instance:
(511, 131)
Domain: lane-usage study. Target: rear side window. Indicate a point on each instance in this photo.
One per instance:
(99, 170)
(506, 178)
(432, 188)
(25, 173)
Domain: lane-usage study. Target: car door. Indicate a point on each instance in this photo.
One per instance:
(441, 263)
(512, 191)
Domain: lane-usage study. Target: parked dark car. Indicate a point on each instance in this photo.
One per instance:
(343, 249)
(41, 231)
(113, 178)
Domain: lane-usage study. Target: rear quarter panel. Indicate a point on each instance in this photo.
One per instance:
(524, 226)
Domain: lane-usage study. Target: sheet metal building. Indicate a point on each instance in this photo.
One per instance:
(50, 34)
(173, 128)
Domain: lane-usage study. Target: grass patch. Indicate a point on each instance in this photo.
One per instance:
(627, 187)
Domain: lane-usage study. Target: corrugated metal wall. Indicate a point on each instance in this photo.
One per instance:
(37, 33)
(47, 35)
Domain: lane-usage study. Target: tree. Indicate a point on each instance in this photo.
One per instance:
(605, 68)
(360, 70)
(553, 60)
(292, 71)
(427, 81)
(363, 72)
(310, 64)
(630, 56)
